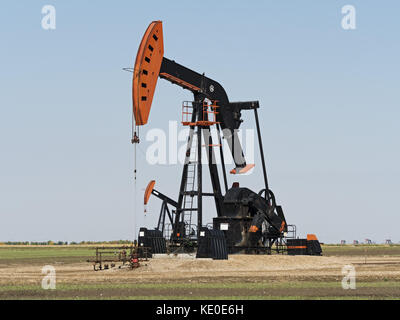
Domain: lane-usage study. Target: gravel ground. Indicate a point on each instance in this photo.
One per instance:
(237, 268)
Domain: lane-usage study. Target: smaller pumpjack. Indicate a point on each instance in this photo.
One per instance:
(251, 221)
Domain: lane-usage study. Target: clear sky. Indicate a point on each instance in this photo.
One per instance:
(329, 111)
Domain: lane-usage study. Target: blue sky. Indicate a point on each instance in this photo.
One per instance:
(329, 111)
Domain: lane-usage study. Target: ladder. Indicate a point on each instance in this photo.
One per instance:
(199, 116)
(188, 200)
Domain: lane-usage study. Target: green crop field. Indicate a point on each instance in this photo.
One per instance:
(43, 254)
(205, 291)
(361, 250)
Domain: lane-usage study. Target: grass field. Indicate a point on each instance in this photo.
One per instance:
(44, 254)
(242, 277)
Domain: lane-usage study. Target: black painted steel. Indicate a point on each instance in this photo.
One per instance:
(240, 208)
(261, 152)
(212, 244)
(314, 248)
(229, 114)
(296, 246)
(152, 239)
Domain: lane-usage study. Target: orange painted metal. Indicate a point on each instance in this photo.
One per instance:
(199, 123)
(148, 191)
(146, 71)
(180, 82)
(209, 112)
(243, 170)
(311, 237)
(253, 229)
(212, 145)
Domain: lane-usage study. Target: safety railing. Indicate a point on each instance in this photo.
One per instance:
(209, 113)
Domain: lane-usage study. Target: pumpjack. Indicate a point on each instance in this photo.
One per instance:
(251, 221)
